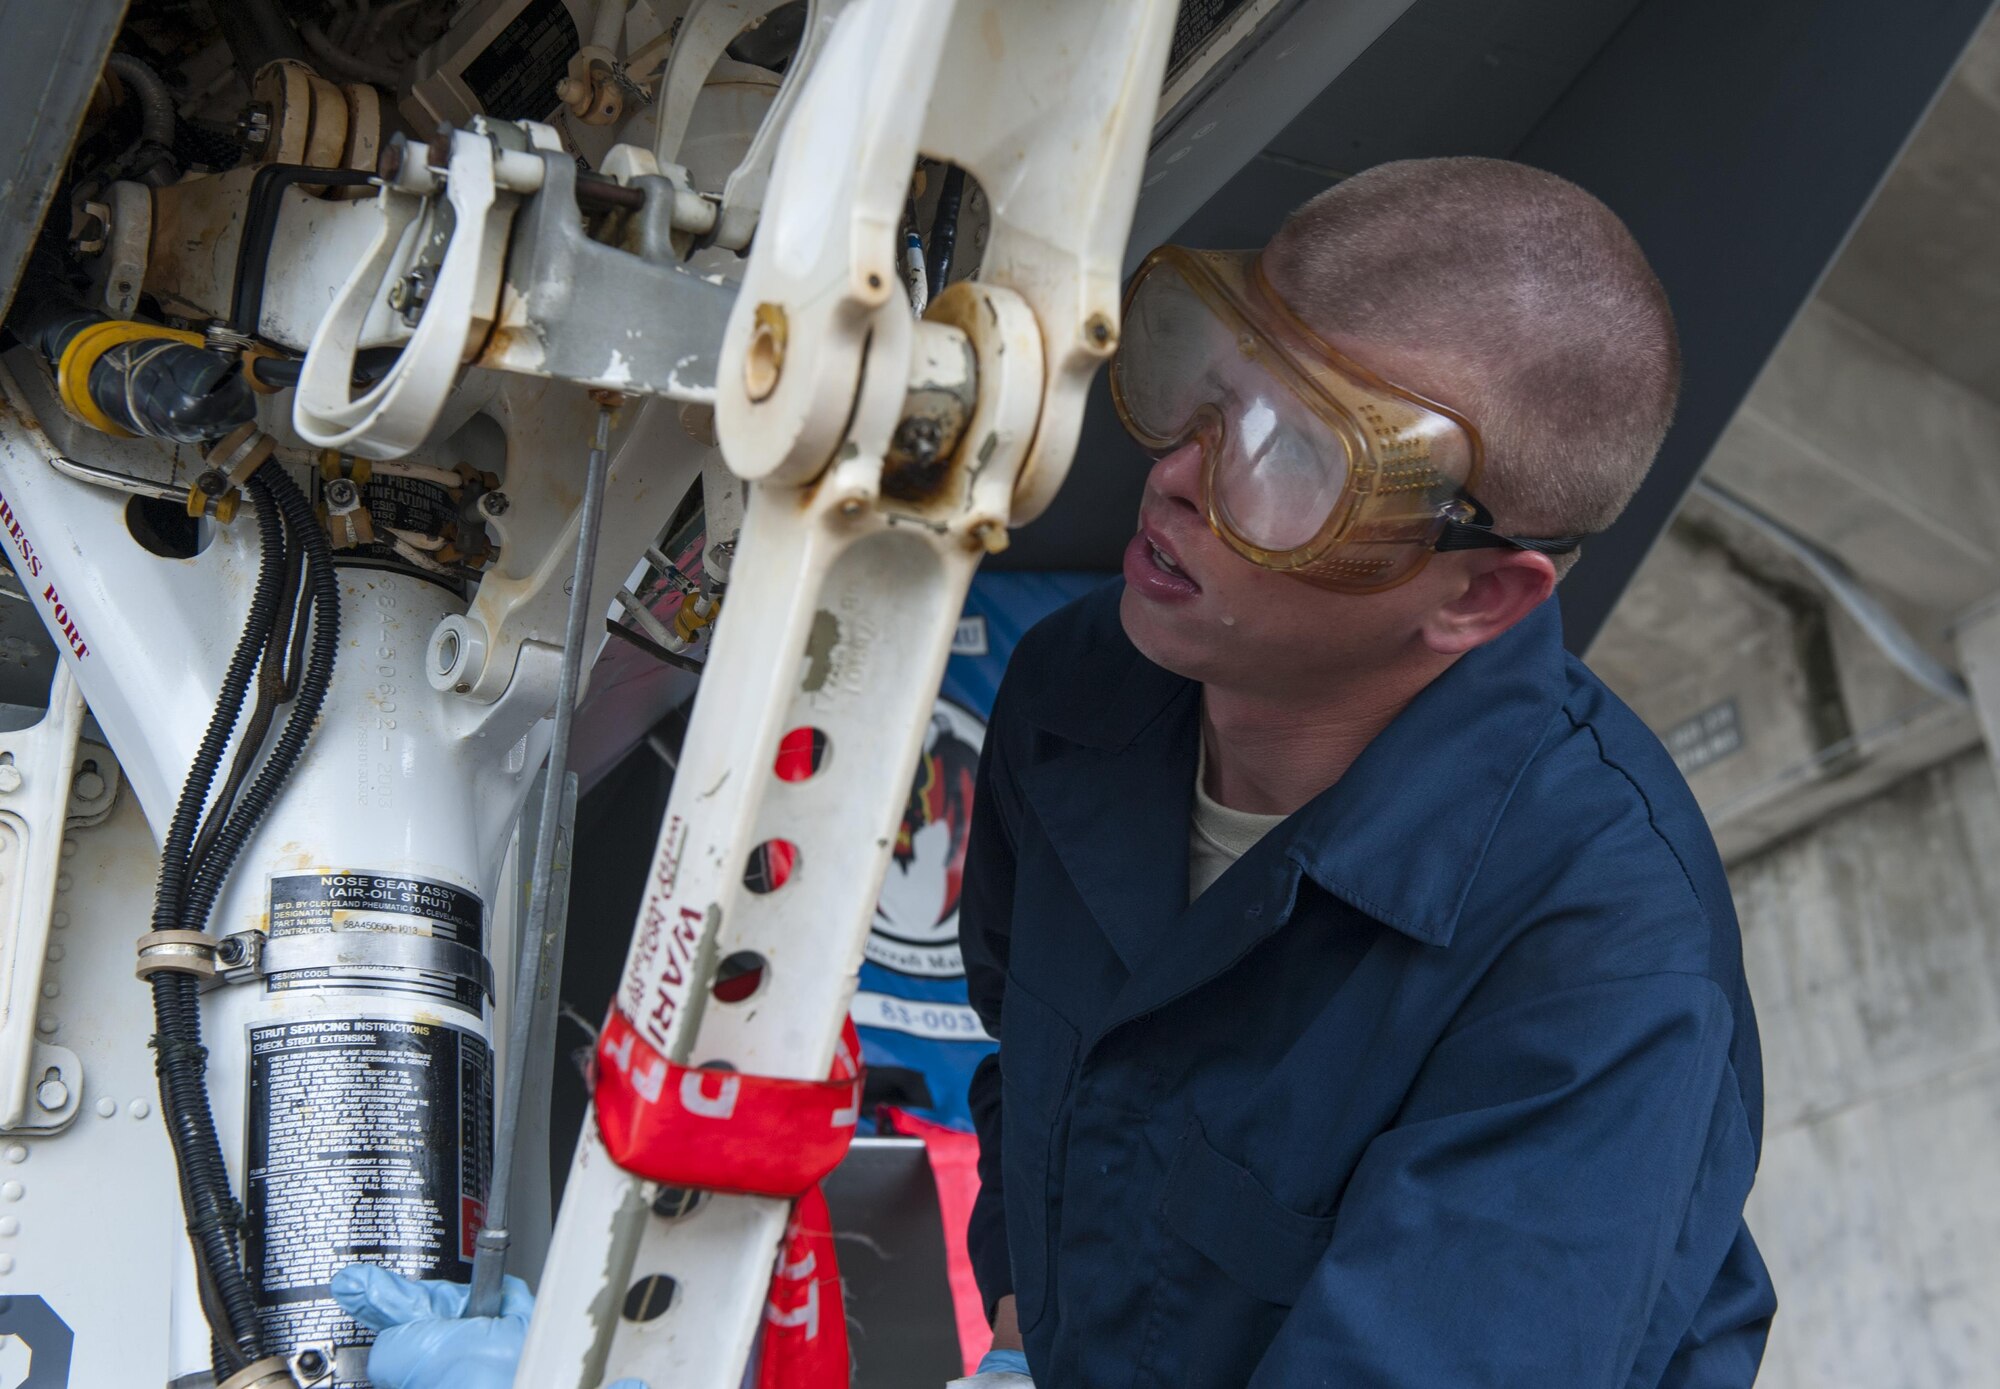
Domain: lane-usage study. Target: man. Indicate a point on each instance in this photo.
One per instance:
(1367, 986)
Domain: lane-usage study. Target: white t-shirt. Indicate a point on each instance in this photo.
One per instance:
(1217, 835)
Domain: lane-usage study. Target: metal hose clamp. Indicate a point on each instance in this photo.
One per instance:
(181, 952)
(269, 1373)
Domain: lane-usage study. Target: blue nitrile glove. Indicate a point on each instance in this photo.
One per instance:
(426, 1342)
(1000, 1369)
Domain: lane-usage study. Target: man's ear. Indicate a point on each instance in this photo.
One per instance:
(1502, 587)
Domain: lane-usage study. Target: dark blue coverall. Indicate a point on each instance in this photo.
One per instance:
(1451, 1080)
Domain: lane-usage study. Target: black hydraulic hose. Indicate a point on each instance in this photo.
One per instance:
(260, 225)
(370, 365)
(274, 687)
(156, 103)
(160, 387)
(180, 1061)
(272, 485)
(263, 616)
(171, 390)
(944, 230)
(213, 1217)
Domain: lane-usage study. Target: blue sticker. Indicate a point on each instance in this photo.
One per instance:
(911, 1008)
(49, 1340)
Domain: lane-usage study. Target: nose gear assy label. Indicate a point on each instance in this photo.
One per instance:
(370, 1141)
(380, 932)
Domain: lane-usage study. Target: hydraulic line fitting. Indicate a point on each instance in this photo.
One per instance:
(695, 613)
(126, 378)
(83, 352)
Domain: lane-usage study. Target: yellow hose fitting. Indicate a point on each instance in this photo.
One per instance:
(73, 369)
(695, 613)
(222, 508)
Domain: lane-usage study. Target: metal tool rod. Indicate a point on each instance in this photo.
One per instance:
(489, 1258)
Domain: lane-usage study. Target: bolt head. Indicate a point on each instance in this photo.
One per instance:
(342, 493)
(88, 785)
(229, 952)
(52, 1095)
(919, 439)
(10, 778)
(494, 503)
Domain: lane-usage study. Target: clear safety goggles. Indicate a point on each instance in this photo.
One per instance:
(1311, 464)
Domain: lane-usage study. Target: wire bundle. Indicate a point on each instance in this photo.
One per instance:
(296, 589)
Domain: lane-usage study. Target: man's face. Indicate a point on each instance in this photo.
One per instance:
(1196, 607)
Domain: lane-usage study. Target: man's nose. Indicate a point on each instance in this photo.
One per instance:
(1176, 476)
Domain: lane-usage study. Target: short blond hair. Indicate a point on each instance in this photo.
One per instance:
(1547, 326)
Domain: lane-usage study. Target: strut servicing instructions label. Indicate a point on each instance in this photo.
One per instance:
(370, 1140)
(380, 932)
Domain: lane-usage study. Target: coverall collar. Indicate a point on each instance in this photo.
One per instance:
(1400, 837)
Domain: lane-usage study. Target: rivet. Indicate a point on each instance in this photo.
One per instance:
(59, 920)
(51, 989)
(12, 1191)
(139, 1109)
(46, 1023)
(9, 1225)
(17, 1152)
(107, 1107)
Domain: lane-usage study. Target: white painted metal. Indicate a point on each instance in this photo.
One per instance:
(90, 1216)
(172, 623)
(706, 31)
(840, 609)
(319, 241)
(399, 412)
(516, 615)
(399, 777)
(384, 788)
(37, 767)
(843, 603)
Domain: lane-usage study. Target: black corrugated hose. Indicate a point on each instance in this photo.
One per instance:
(180, 1060)
(188, 888)
(271, 484)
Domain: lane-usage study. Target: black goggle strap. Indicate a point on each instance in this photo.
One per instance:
(1476, 533)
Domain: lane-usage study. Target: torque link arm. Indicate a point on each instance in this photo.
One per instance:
(847, 584)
